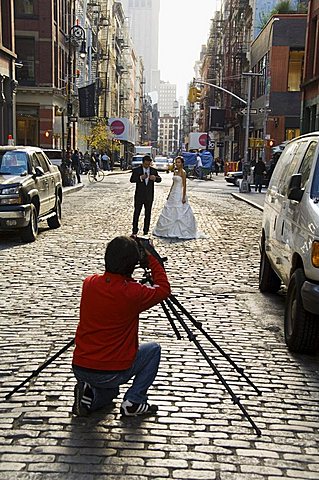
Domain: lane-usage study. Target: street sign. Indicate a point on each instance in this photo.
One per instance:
(263, 110)
(252, 111)
(211, 144)
(219, 144)
(73, 119)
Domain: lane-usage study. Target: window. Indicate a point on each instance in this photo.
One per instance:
(305, 167)
(24, 7)
(295, 68)
(5, 26)
(292, 133)
(25, 50)
(43, 162)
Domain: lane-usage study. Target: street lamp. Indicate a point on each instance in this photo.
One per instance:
(76, 38)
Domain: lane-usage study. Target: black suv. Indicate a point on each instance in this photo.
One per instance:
(30, 191)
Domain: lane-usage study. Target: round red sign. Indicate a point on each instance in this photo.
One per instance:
(203, 139)
(117, 127)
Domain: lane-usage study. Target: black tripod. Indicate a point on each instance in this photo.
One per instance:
(169, 306)
(172, 305)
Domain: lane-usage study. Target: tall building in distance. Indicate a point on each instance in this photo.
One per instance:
(167, 99)
(144, 27)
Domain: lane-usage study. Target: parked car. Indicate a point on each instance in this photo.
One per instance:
(161, 164)
(30, 191)
(54, 155)
(234, 177)
(289, 245)
(136, 161)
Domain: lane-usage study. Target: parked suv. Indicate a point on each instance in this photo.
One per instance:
(290, 240)
(30, 191)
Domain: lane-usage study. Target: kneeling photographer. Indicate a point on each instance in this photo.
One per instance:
(106, 352)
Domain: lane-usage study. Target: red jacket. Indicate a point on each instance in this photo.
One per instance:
(107, 334)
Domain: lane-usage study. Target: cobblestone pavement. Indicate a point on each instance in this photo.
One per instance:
(199, 433)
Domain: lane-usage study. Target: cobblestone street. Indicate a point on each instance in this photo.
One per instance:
(198, 433)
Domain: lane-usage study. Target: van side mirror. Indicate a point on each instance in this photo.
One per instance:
(295, 192)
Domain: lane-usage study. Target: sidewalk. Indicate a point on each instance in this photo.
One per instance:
(79, 186)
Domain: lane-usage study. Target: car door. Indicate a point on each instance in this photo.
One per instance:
(49, 200)
(40, 183)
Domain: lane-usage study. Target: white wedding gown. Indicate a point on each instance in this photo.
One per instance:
(176, 219)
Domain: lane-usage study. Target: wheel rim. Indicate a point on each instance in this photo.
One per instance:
(59, 210)
(100, 176)
(90, 176)
(34, 223)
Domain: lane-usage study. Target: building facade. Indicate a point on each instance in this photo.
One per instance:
(144, 27)
(8, 67)
(278, 54)
(310, 85)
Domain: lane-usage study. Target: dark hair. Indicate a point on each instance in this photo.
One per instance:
(147, 158)
(121, 256)
(180, 158)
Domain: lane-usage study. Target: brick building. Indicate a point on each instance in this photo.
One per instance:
(310, 86)
(7, 71)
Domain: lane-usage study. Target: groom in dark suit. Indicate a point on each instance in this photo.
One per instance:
(144, 176)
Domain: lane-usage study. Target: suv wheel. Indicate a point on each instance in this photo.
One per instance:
(29, 233)
(301, 327)
(55, 221)
(269, 282)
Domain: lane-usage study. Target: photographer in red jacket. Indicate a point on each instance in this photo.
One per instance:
(106, 352)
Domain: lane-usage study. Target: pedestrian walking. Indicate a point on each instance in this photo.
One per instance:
(259, 171)
(144, 177)
(76, 164)
(106, 352)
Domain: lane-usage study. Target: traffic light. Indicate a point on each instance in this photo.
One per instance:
(194, 94)
(271, 143)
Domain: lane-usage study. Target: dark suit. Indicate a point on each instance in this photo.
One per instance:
(144, 195)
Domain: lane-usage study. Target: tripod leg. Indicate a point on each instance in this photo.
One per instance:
(171, 321)
(198, 325)
(192, 338)
(39, 369)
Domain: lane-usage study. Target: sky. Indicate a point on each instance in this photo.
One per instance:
(184, 28)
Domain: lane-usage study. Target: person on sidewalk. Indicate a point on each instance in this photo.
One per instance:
(199, 166)
(106, 352)
(76, 164)
(259, 171)
(144, 177)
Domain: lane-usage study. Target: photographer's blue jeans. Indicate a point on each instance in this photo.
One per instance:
(105, 386)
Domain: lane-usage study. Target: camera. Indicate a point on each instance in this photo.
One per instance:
(144, 245)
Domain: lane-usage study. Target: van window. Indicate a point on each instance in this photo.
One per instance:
(305, 167)
(289, 164)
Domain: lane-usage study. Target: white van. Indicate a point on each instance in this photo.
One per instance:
(289, 243)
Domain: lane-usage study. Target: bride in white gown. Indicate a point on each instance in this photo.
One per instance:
(177, 219)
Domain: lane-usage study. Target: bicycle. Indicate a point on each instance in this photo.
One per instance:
(98, 177)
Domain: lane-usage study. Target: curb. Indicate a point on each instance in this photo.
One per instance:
(247, 200)
(74, 188)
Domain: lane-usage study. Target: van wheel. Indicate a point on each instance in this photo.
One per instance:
(301, 327)
(55, 221)
(29, 233)
(269, 282)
